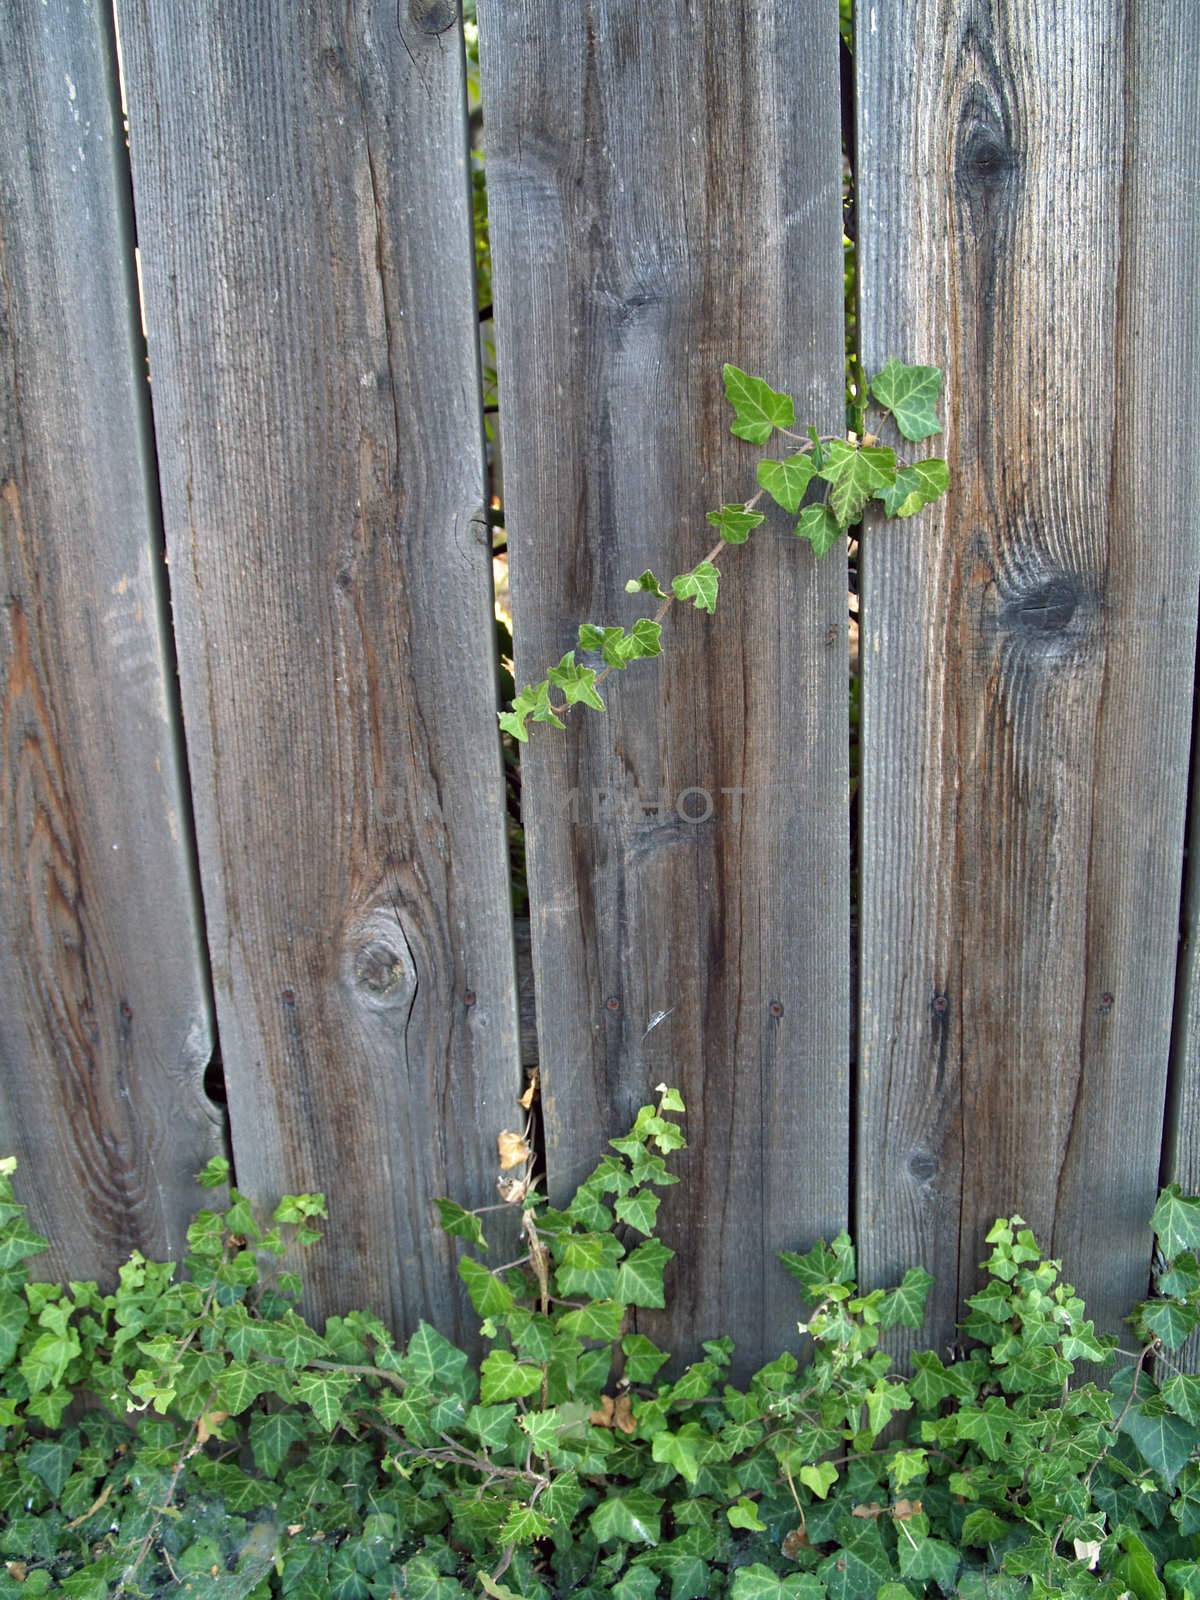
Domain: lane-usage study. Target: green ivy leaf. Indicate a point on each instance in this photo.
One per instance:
(272, 1436)
(983, 1527)
(820, 527)
(699, 586)
(14, 1315)
(578, 684)
(735, 522)
(858, 1568)
(680, 1450)
(533, 701)
(905, 1306)
(526, 1524)
(1164, 1440)
(432, 1362)
(911, 394)
(489, 1296)
(460, 1223)
(758, 1582)
(914, 487)
(819, 1478)
(1176, 1221)
(639, 1210)
(927, 1560)
(642, 1358)
(17, 1241)
(1135, 1568)
(619, 648)
(325, 1393)
(987, 1426)
(588, 1266)
(631, 1514)
(598, 1319)
(855, 472)
(744, 1514)
(758, 408)
(640, 1275)
(646, 583)
(51, 1460)
(504, 1378)
(214, 1173)
(1170, 1320)
(787, 481)
(1182, 1393)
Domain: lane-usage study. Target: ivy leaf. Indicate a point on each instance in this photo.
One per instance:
(855, 472)
(1176, 1221)
(787, 481)
(460, 1223)
(639, 1210)
(562, 1499)
(272, 1436)
(987, 1426)
(1084, 1344)
(820, 527)
(578, 684)
(588, 1266)
(640, 1275)
(1164, 1440)
(1182, 1277)
(927, 1560)
(905, 1306)
(489, 1295)
(858, 1568)
(914, 487)
(1170, 1320)
(744, 1514)
(502, 1377)
(758, 408)
(1182, 1393)
(636, 1583)
(17, 1241)
(646, 583)
(758, 1582)
(14, 1314)
(642, 1358)
(432, 1362)
(325, 1392)
(533, 701)
(598, 1319)
(820, 1478)
(632, 1515)
(735, 522)
(911, 394)
(619, 648)
(680, 1450)
(51, 1460)
(525, 1524)
(699, 586)
(1135, 1570)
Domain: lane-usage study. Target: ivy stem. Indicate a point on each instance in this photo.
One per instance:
(711, 558)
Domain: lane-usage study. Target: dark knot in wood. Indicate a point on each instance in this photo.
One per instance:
(433, 16)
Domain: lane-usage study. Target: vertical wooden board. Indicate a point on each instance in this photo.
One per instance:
(299, 173)
(1027, 222)
(664, 192)
(104, 1021)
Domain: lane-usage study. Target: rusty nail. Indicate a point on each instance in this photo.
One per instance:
(613, 1003)
(469, 998)
(776, 1009)
(1106, 1001)
(289, 997)
(940, 1004)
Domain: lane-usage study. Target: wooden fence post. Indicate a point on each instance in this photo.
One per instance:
(104, 1018)
(1027, 200)
(303, 210)
(664, 190)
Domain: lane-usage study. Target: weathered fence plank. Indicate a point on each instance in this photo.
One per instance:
(302, 202)
(664, 196)
(104, 1022)
(1028, 651)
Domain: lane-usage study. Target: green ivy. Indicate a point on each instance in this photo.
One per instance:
(851, 472)
(191, 1431)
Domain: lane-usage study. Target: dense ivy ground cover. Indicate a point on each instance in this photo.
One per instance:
(190, 1432)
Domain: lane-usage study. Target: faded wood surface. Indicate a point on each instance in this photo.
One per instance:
(299, 175)
(664, 188)
(1027, 221)
(104, 1022)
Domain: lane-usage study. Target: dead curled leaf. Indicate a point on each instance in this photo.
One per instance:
(615, 1413)
(514, 1152)
(901, 1511)
(794, 1542)
(530, 1094)
(512, 1190)
(208, 1424)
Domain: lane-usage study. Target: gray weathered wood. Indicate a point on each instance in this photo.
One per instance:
(1027, 207)
(299, 174)
(104, 1019)
(664, 189)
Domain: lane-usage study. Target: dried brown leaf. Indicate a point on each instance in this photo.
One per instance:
(514, 1152)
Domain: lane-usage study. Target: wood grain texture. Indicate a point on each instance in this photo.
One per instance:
(1027, 221)
(299, 174)
(664, 188)
(104, 1019)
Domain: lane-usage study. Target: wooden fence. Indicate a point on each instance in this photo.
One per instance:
(251, 780)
